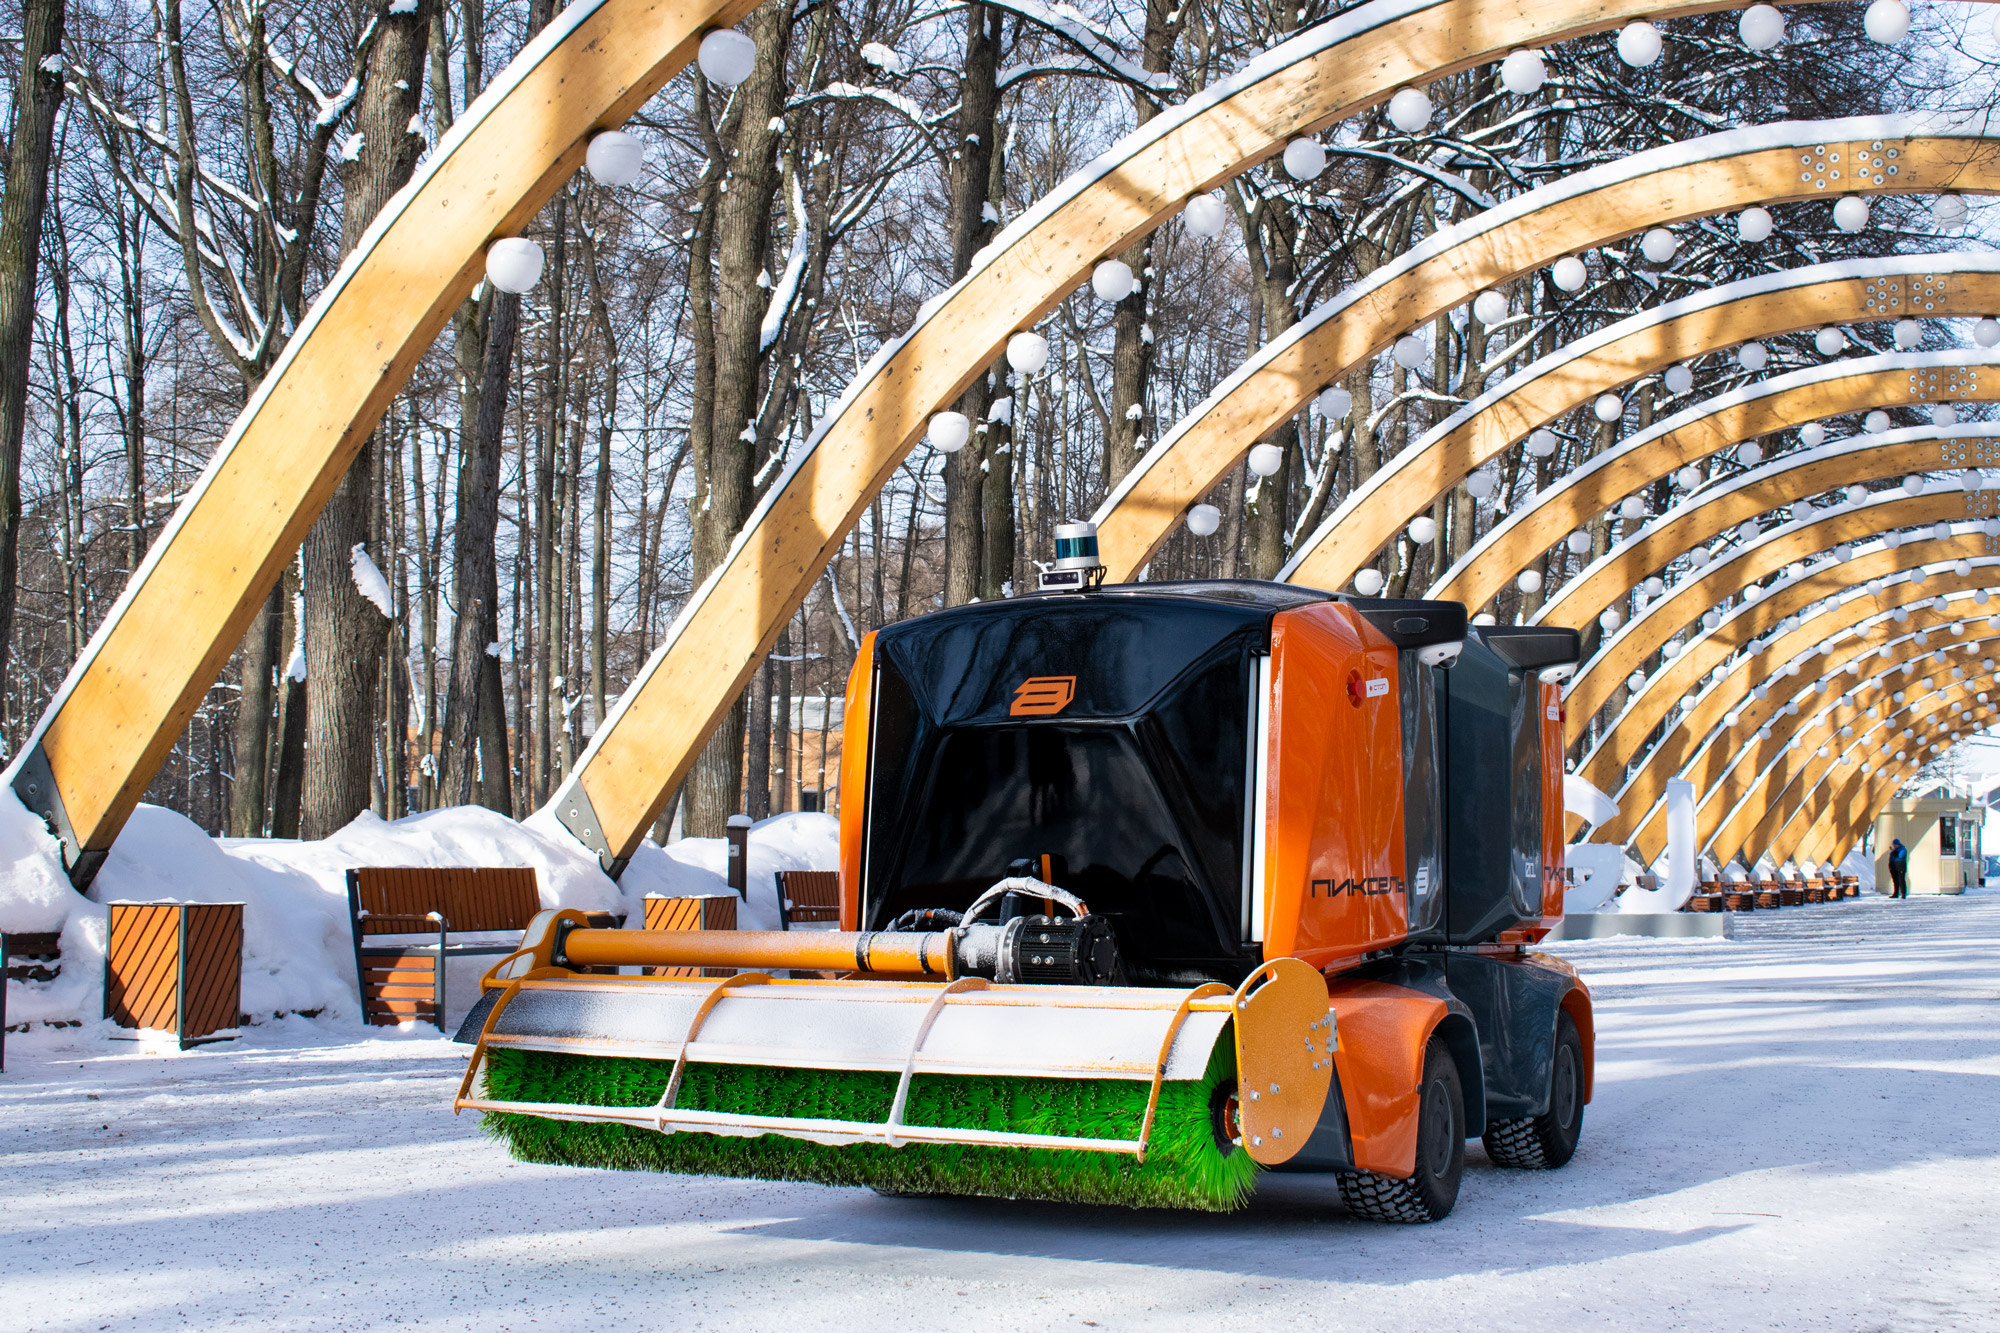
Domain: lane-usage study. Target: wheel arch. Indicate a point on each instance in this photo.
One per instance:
(1576, 1003)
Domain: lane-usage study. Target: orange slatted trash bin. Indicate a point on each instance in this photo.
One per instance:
(175, 967)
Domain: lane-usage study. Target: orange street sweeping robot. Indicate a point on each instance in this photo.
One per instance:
(1145, 888)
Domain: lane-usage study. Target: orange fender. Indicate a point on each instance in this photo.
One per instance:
(1383, 1032)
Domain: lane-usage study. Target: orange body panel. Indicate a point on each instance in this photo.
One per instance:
(1334, 884)
(1554, 822)
(854, 779)
(1383, 1031)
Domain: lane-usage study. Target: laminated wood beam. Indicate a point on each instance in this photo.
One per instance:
(1697, 178)
(1785, 480)
(1704, 745)
(646, 748)
(1727, 576)
(1848, 292)
(140, 678)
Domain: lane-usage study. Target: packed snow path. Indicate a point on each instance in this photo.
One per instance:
(1795, 1129)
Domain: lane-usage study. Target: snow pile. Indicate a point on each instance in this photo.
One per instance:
(297, 948)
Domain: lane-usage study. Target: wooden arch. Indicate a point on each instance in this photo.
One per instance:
(138, 681)
(1851, 811)
(1723, 171)
(145, 670)
(1764, 788)
(639, 757)
(1705, 744)
(1835, 815)
(1792, 478)
(1850, 386)
(1728, 575)
(1848, 292)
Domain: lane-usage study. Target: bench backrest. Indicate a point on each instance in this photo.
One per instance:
(469, 898)
(810, 895)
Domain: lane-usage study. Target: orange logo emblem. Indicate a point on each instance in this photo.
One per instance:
(1039, 696)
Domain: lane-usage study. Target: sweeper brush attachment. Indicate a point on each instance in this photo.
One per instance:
(1100, 1094)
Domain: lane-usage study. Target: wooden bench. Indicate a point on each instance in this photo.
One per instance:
(404, 982)
(26, 956)
(711, 913)
(808, 895)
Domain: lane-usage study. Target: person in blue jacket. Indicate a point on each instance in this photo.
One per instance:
(1899, 868)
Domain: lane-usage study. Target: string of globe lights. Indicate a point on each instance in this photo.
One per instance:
(617, 159)
(1721, 433)
(1745, 668)
(1731, 765)
(1658, 348)
(1666, 625)
(1720, 672)
(1266, 390)
(1795, 481)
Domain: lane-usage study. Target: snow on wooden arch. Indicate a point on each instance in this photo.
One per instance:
(1703, 744)
(1697, 178)
(1841, 388)
(141, 676)
(640, 756)
(1751, 799)
(1788, 784)
(1840, 809)
(1846, 292)
(1697, 745)
(145, 670)
(1682, 605)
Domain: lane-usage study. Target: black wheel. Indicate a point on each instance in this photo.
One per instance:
(1432, 1188)
(1546, 1141)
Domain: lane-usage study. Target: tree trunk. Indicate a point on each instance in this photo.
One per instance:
(344, 630)
(37, 94)
(1132, 341)
(742, 240)
(474, 582)
(289, 784)
(253, 718)
(974, 220)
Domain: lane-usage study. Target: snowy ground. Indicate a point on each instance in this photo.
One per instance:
(1795, 1129)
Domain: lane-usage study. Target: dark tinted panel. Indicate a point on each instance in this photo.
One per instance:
(1137, 786)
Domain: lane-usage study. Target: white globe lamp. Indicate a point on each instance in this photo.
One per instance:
(1639, 44)
(1112, 280)
(1754, 224)
(1523, 72)
(1886, 21)
(1027, 352)
(1851, 214)
(1202, 520)
(614, 158)
(1266, 460)
(1304, 159)
(949, 431)
(1569, 273)
(514, 264)
(726, 57)
(1761, 27)
(1206, 215)
(1410, 110)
